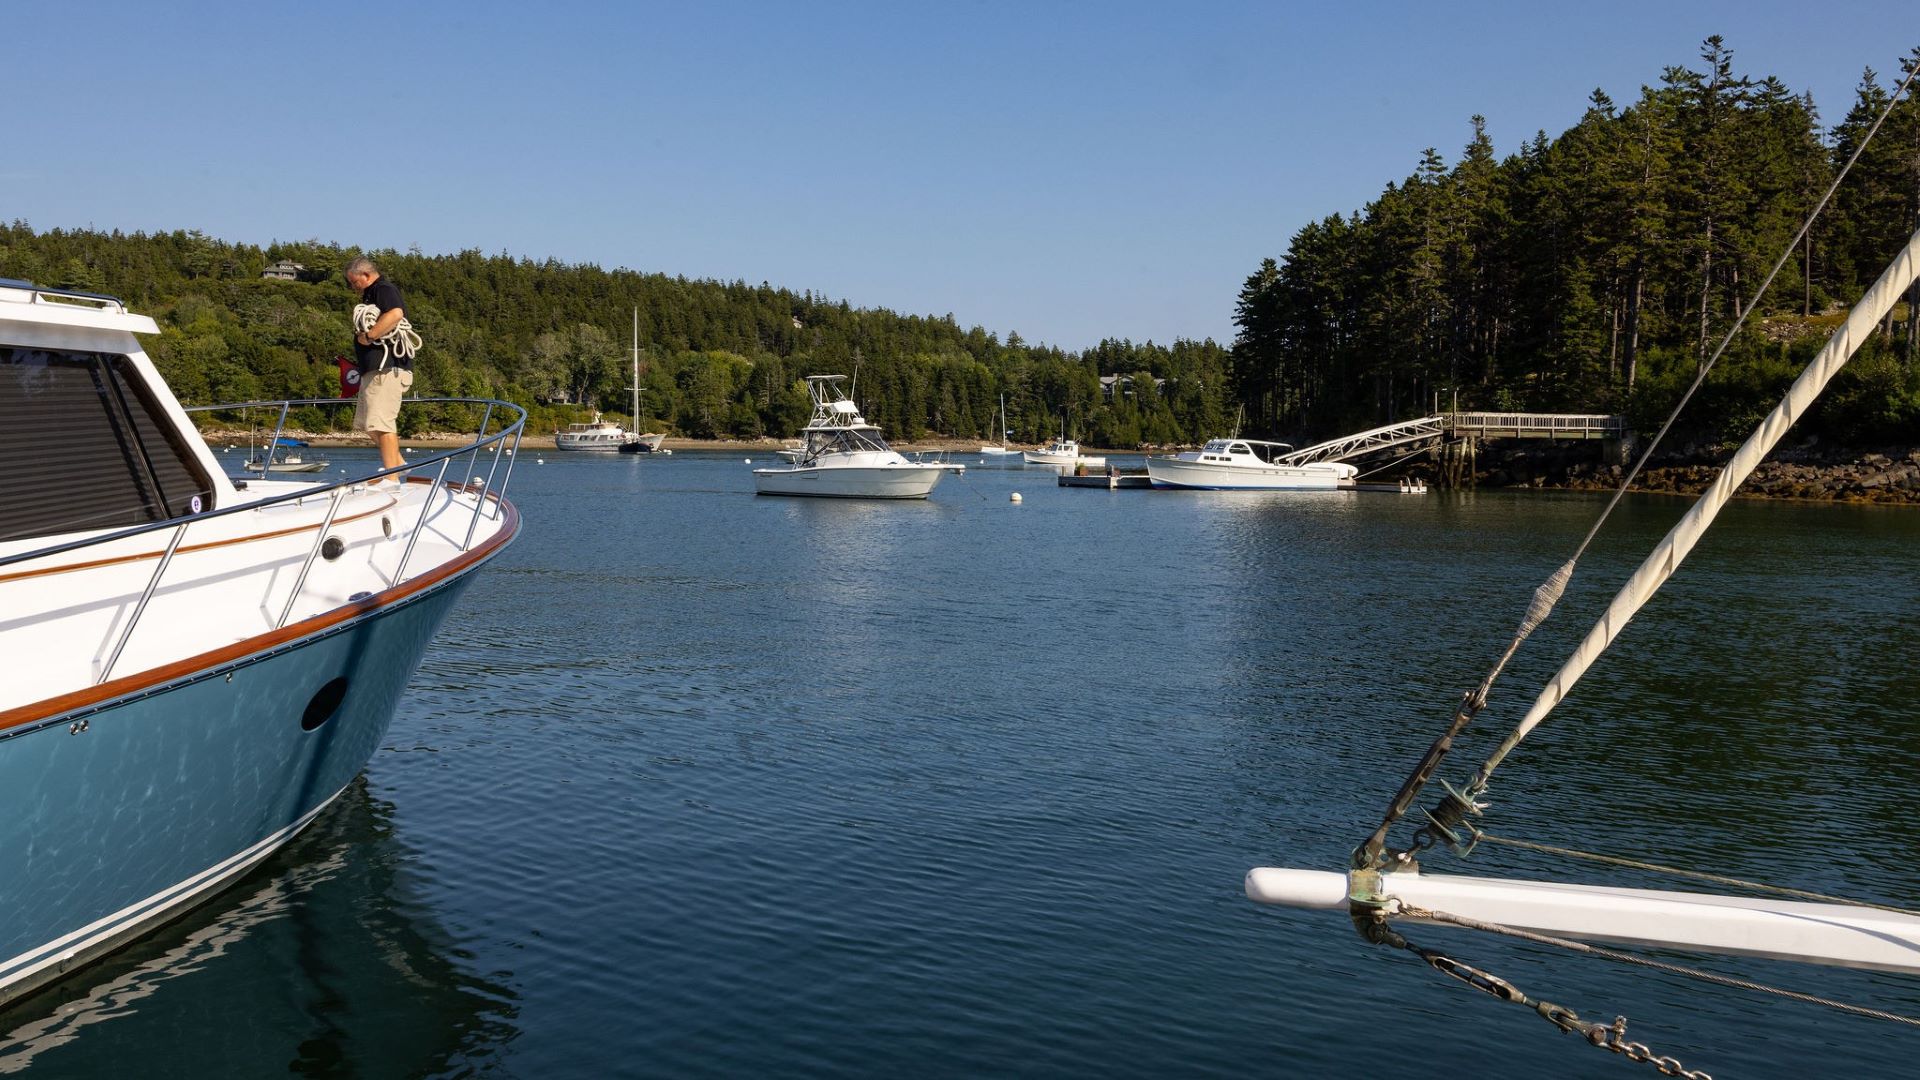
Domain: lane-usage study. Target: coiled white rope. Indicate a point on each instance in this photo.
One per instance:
(401, 343)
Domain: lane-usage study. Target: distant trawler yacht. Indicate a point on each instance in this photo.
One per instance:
(607, 436)
(842, 456)
(1247, 464)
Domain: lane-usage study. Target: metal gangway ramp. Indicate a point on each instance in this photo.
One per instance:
(1460, 425)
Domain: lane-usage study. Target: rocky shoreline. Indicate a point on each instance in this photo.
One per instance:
(1825, 474)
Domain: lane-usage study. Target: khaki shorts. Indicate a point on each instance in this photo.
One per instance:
(380, 394)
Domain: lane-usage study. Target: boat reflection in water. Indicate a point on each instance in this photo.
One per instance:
(324, 958)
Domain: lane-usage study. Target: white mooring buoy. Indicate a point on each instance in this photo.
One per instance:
(1015, 497)
(749, 461)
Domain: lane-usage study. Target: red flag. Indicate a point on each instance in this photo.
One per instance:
(349, 376)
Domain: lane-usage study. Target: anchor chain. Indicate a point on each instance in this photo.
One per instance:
(1610, 1037)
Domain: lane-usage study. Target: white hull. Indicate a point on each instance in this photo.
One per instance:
(294, 465)
(1834, 934)
(1039, 457)
(908, 481)
(603, 445)
(1170, 472)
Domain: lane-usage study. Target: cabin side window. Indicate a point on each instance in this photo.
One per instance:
(83, 446)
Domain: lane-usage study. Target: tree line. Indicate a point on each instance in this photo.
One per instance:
(718, 359)
(1597, 271)
(1592, 272)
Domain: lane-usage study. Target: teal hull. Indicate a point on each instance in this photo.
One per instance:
(125, 813)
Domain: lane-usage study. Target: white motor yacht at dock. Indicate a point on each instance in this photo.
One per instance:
(1249, 465)
(844, 457)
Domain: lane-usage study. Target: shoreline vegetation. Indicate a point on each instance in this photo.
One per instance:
(1807, 472)
(1589, 272)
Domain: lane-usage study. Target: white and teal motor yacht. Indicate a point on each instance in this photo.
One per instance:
(191, 667)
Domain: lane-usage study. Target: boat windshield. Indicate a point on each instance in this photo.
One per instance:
(844, 440)
(89, 447)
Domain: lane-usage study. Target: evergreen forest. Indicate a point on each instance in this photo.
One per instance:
(1599, 270)
(718, 359)
(1594, 271)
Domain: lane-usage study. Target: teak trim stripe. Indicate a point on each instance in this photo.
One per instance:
(141, 556)
(133, 684)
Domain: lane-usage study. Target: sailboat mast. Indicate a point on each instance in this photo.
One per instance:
(636, 370)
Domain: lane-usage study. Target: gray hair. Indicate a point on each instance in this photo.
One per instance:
(362, 265)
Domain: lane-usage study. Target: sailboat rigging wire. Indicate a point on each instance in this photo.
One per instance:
(1452, 810)
(1615, 955)
(1671, 551)
(1717, 879)
(1786, 253)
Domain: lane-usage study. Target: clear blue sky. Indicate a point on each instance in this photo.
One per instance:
(1069, 171)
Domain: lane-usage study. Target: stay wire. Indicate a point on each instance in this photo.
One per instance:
(1548, 593)
(1615, 955)
(1696, 875)
(1733, 331)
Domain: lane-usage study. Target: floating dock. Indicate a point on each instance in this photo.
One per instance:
(1110, 478)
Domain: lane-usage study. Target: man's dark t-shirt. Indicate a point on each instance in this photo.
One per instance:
(384, 295)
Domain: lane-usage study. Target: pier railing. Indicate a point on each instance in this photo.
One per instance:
(1482, 425)
(1494, 425)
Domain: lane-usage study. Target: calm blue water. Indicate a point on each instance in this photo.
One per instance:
(697, 783)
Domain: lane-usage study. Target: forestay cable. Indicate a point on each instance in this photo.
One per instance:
(1804, 391)
(1671, 551)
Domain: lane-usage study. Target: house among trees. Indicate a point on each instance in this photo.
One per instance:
(284, 270)
(1110, 384)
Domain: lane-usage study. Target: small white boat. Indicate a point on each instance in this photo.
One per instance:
(1061, 451)
(284, 457)
(285, 463)
(1247, 465)
(842, 456)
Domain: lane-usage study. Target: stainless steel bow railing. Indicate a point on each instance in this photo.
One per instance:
(507, 438)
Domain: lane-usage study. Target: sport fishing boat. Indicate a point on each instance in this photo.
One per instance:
(1247, 465)
(842, 456)
(1390, 897)
(191, 667)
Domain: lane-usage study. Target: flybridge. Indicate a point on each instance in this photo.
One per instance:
(23, 301)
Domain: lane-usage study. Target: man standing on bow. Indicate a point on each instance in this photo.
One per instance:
(385, 374)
